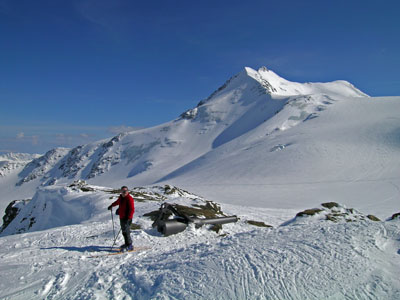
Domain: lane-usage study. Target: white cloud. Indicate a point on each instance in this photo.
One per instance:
(41, 138)
(34, 139)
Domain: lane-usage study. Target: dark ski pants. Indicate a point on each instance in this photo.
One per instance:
(126, 230)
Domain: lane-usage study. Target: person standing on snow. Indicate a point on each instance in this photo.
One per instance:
(126, 210)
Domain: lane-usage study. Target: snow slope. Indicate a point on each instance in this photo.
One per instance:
(348, 152)
(304, 258)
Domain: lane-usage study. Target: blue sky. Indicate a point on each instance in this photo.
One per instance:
(72, 72)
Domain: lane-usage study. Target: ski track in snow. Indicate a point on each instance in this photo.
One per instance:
(309, 260)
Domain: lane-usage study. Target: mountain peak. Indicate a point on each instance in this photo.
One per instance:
(276, 85)
(266, 81)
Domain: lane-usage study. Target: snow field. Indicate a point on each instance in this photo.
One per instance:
(306, 258)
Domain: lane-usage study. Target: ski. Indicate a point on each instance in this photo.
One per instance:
(118, 252)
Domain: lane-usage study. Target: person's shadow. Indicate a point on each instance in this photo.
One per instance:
(84, 249)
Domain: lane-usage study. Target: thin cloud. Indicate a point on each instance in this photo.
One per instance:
(4, 151)
(35, 140)
(20, 135)
(123, 128)
(108, 15)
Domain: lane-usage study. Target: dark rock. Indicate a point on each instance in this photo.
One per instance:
(309, 212)
(12, 211)
(373, 218)
(258, 224)
(330, 205)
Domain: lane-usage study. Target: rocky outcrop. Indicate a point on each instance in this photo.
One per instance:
(12, 211)
(334, 212)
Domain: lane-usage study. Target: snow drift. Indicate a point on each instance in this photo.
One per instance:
(49, 208)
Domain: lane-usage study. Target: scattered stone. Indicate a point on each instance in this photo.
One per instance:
(135, 226)
(335, 212)
(330, 205)
(309, 212)
(373, 218)
(81, 185)
(258, 223)
(140, 194)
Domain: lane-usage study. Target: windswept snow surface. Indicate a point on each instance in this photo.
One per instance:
(305, 258)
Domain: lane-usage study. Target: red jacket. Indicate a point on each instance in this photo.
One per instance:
(126, 206)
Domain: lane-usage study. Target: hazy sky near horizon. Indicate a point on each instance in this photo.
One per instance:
(74, 71)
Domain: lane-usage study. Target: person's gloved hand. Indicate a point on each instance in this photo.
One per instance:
(110, 207)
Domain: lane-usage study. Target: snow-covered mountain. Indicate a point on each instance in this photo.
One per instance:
(259, 130)
(13, 161)
(261, 147)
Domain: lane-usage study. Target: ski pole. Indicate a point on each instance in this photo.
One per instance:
(115, 239)
(112, 219)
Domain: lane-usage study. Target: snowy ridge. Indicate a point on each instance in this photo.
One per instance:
(18, 157)
(40, 167)
(283, 87)
(11, 162)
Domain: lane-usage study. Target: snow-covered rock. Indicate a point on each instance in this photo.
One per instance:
(333, 212)
(12, 211)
